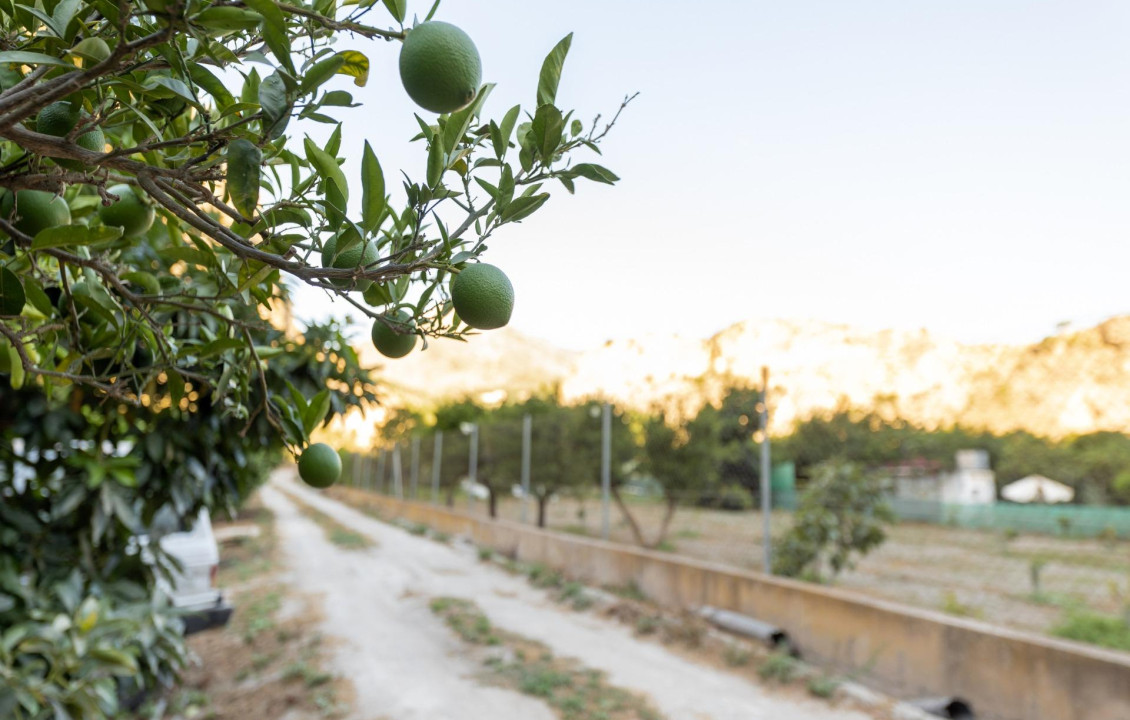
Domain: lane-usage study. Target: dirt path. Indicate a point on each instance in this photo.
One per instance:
(406, 665)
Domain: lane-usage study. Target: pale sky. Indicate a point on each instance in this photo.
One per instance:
(960, 166)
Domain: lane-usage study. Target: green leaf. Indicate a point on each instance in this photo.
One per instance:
(274, 30)
(321, 71)
(523, 207)
(276, 103)
(356, 66)
(594, 172)
(504, 131)
(23, 57)
(243, 178)
(327, 167)
(12, 297)
(550, 75)
(72, 235)
(316, 412)
(212, 84)
(435, 162)
(548, 127)
(372, 190)
(37, 297)
(377, 295)
(397, 8)
(176, 385)
(459, 122)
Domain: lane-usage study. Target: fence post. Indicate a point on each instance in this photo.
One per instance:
(606, 471)
(437, 458)
(397, 479)
(527, 422)
(381, 471)
(766, 499)
(473, 467)
(355, 470)
(415, 466)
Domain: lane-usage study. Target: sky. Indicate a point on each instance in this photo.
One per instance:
(958, 166)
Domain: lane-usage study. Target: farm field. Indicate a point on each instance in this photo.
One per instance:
(1029, 582)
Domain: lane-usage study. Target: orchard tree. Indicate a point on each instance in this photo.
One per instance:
(683, 456)
(177, 127)
(157, 191)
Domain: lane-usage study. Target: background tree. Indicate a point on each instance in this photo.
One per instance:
(683, 457)
(841, 515)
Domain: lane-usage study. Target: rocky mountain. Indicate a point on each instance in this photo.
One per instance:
(1069, 383)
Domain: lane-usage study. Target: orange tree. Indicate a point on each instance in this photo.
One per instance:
(157, 189)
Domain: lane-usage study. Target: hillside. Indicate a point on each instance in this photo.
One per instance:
(1069, 383)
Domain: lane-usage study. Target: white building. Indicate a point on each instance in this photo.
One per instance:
(971, 483)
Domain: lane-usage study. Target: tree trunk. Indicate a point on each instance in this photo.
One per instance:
(632, 524)
(672, 505)
(543, 501)
(492, 501)
(450, 495)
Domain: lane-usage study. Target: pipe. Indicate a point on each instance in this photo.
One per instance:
(945, 707)
(739, 624)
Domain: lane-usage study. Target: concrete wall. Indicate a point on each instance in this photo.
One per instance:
(905, 651)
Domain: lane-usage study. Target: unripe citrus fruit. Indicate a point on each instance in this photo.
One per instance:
(390, 341)
(35, 210)
(131, 213)
(319, 466)
(58, 119)
(440, 67)
(483, 296)
(358, 254)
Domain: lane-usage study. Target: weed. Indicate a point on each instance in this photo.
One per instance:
(312, 677)
(823, 686)
(544, 577)
(779, 666)
(736, 655)
(952, 606)
(631, 591)
(486, 554)
(442, 537)
(647, 624)
(687, 534)
(418, 529)
(1089, 627)
(666, 546)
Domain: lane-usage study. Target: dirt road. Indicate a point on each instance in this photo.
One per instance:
(407, 665)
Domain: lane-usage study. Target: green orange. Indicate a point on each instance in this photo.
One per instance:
(393, 335)
(319, 466)
(440, 67)
(35, 210)
(58, 119)
(483, 296)
(359, 254)
(131, 212)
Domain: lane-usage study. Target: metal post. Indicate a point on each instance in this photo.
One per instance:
(380, 471)
(415, 467)
(437, 458)
(606, 471)
(766, 499)
(527, 423)
(473, 466)
(397, 481)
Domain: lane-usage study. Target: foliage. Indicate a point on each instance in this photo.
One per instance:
(243, 198)
(683, 457)
(80, 481)
(564, 445)
(841, 514)
(1097, 464)
(142, 376)
(1088, 627)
